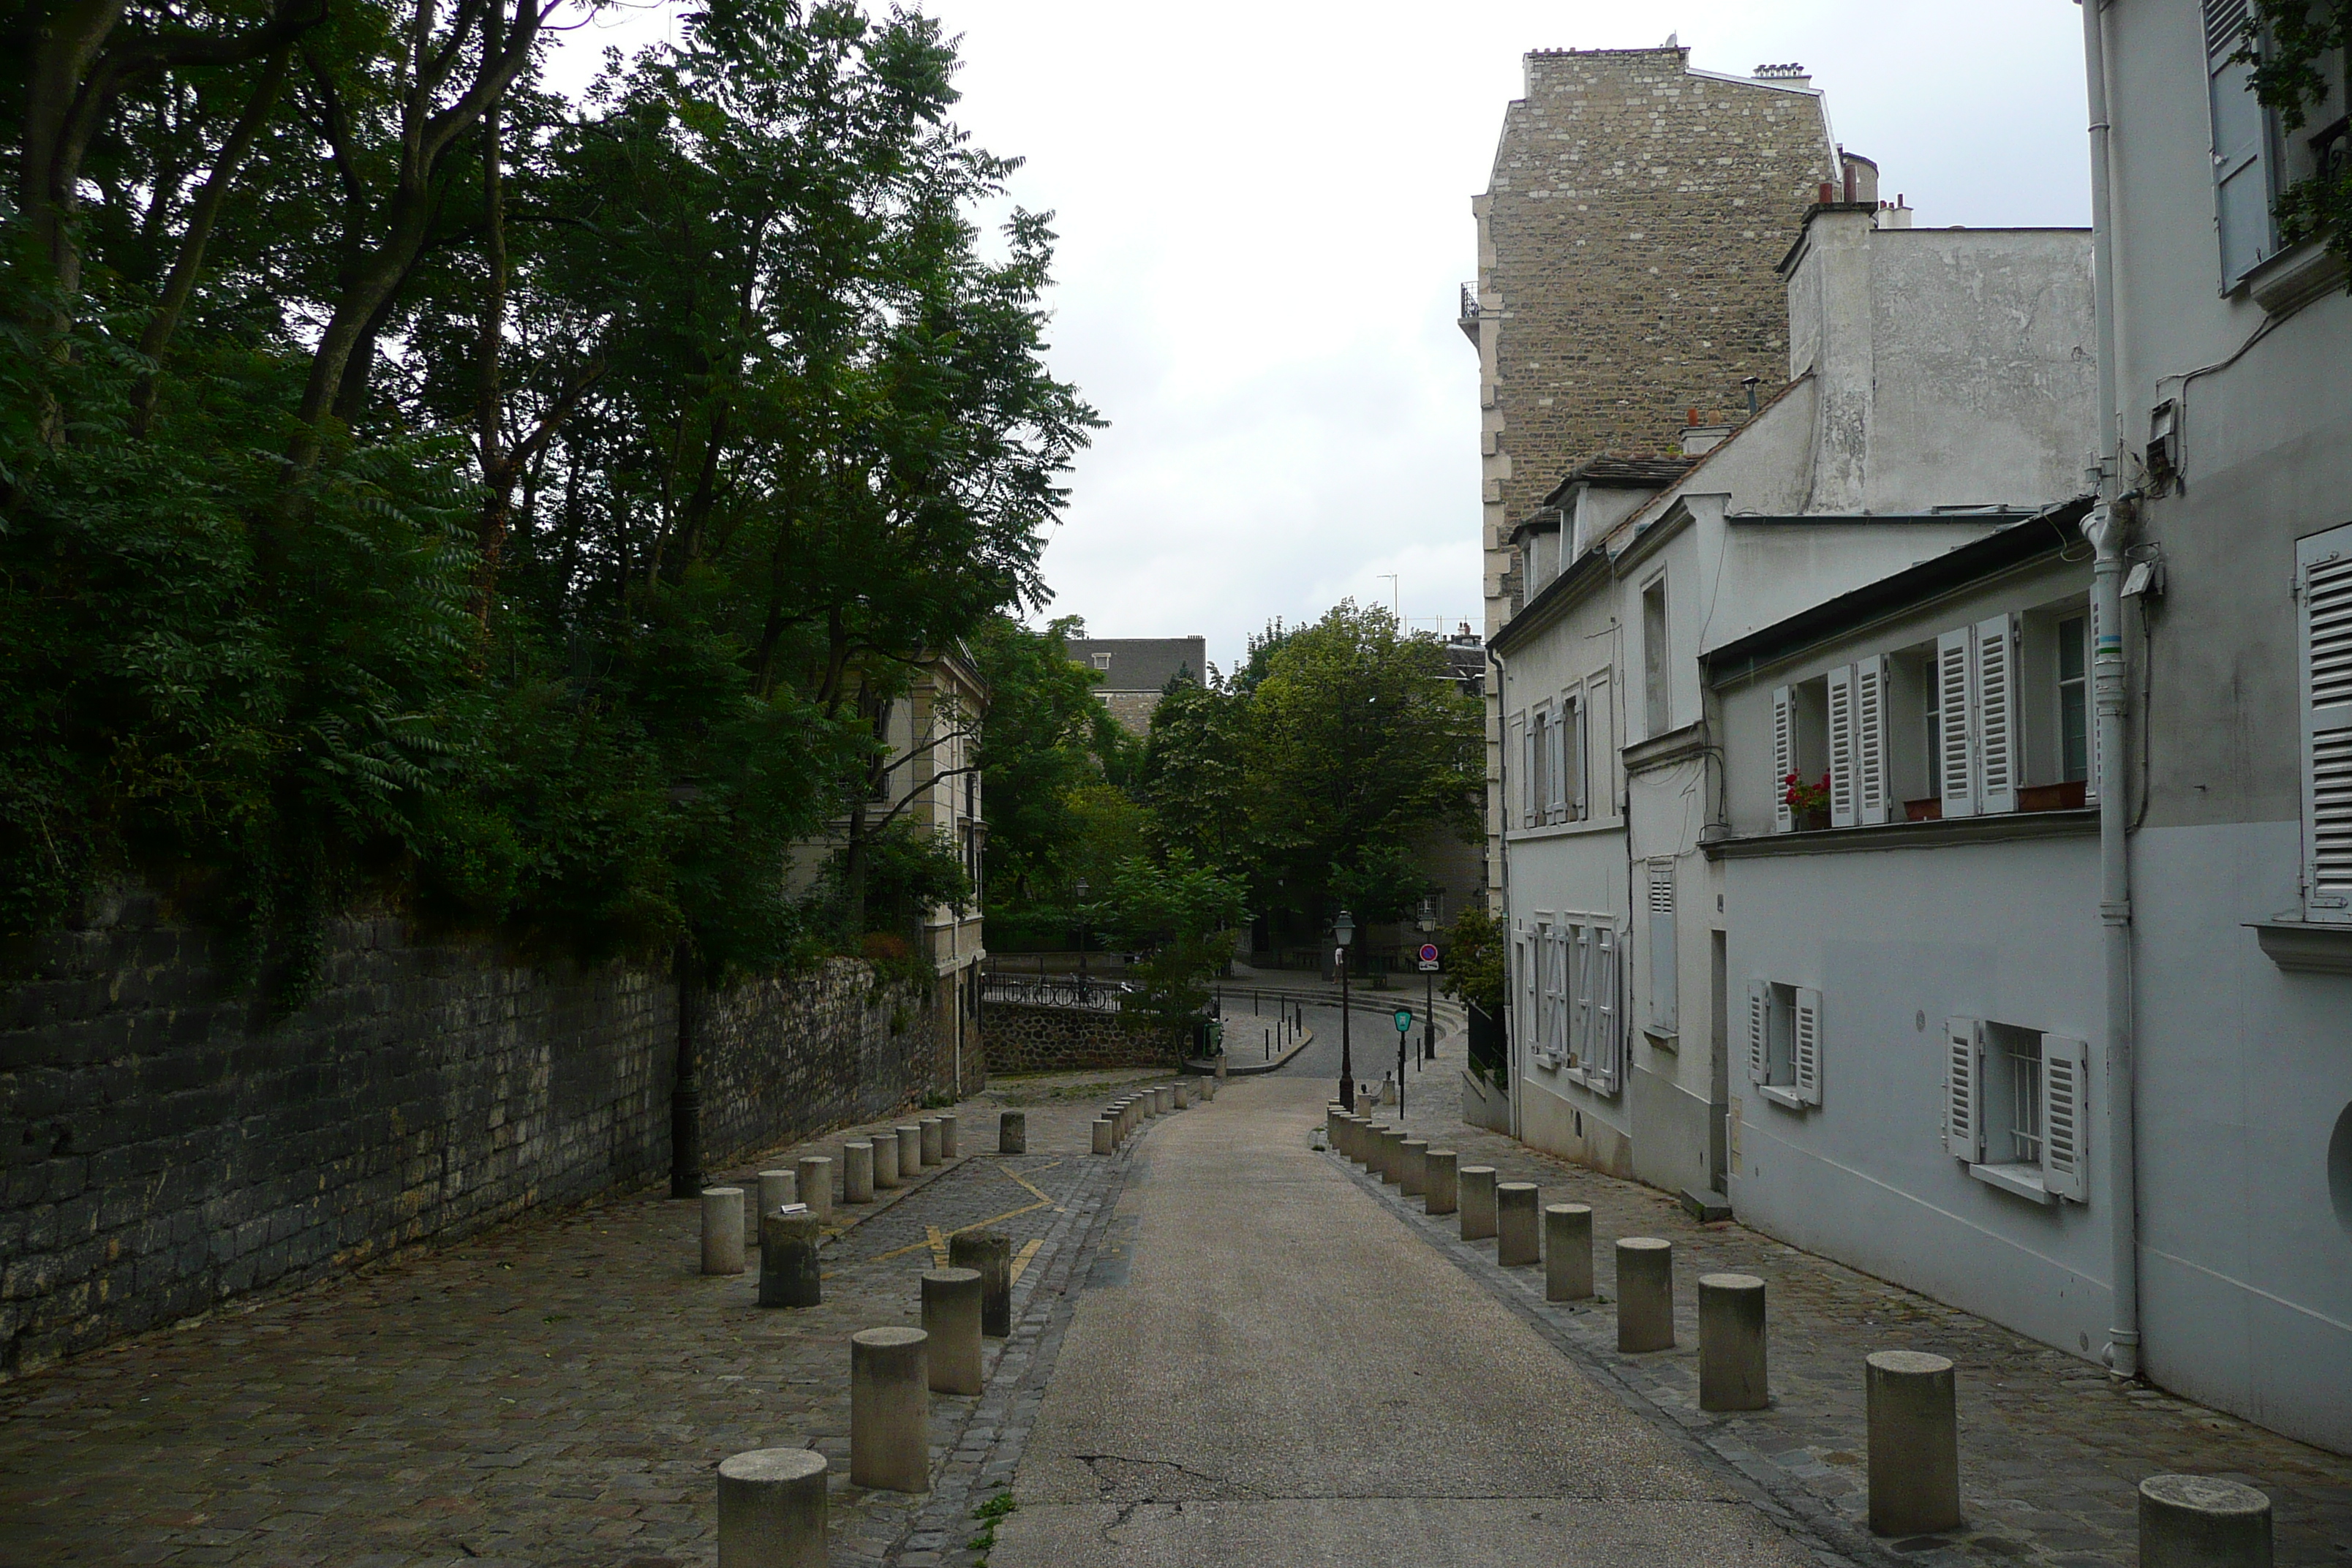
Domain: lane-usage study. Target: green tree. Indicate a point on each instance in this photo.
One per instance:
(1037, 752)
(2298, 49)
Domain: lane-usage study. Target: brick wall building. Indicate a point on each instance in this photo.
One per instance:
(1627, 248)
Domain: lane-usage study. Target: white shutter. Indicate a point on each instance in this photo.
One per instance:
(1963, 1115)
(2324, 574)
(1784, 755)
(1805, 1048)
(1663, 974)
(1608, 1024)
(1577, 765)
(1954, 732)
(1842, 779)
(1759, 1031)
(2090, 702)
(1997, 733)
(1581, 996)
(1531, 785)
(1556, 996)
(1530, 996)
(1556, 764)
(1873, 764)
(2065, 1075)
(2243, 146)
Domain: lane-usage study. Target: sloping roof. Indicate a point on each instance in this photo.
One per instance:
(1609, 471)
(2046, 532)
(1142, 663)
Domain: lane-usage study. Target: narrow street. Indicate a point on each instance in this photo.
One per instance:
(1295, 1378)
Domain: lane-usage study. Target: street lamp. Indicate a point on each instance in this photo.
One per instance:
(1429, 989)
(1344, 928)
(1082, 937)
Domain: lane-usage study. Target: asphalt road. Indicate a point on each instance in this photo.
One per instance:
(1281, 1372)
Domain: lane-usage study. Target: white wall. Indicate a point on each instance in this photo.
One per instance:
(1897, 942)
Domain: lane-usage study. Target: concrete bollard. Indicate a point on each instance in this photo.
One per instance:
(788, 1266)
(1163, 1100)
(1348, 1147)
(1368, 1135)
(950, 1142)
(1518, 1237)
(910, 1153)
(777, 1189)
(951, 1317)
(1331, 1114)
(1391, 1155)
(1731, 1362)
(991, 1253)
(857, 1172)
(1915, 1443)
(1477, 1197)
(772, 1509)
(1646, 1294)
(1413, 1167)
(1438, 1186)
(927, 1139)
(885, 1161)
(1180, 1096)
(889, 1410)
(1568, 1252)
(2202, 1521)
(1104, 1143)
(814, 1179)
(722, 1230)
(1013, 1132)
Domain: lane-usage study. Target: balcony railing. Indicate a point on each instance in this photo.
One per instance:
(1469, 317)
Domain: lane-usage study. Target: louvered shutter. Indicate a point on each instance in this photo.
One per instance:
(2065, 1077)
(2324, 578)
(1601, 737)
(1663, 971)
(1524, 755)
(2243, 156)
(1997, 737)
(1805, 1047)
(1577, 729)
(1759, 1031)
(2091, 701)
(1608, 1024)
(1955, 729)
(1556, 764)
(1872, 765)
(1784, 755)
(1842, 779)
(1530, 990)
(1963, 1115)
(1556, 1001)
(1580, 997)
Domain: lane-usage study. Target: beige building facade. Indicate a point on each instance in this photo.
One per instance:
(1626, 244)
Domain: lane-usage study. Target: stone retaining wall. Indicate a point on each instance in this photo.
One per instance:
(164, 1147)
(1021, 1037)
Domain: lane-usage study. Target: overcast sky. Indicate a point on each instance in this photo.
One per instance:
(1264, 219)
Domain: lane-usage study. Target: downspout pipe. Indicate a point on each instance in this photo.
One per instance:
(2105, 527)
(1503, 872)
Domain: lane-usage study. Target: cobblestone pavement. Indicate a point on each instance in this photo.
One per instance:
(557, 1391)
(2052, 1449)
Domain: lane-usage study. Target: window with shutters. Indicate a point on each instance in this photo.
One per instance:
(2245, 147)
(1785, 1044)
(1572, 765)
(1522, 754)
(2323, 626)
(1801, 755)
(1556, 764)
(2016, 1109)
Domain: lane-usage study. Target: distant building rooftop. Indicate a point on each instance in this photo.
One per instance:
(1142, 663)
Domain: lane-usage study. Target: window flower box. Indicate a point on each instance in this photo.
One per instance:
(1929, 810)
(2070, 796)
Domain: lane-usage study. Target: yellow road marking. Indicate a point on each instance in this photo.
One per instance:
(1021, 1259)
(938, 1246)
(1017, 1177)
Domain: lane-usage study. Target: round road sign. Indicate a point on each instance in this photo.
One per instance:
(1429, 952)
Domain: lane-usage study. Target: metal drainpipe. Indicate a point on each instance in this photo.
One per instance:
(1503, 869)
(2104, 528)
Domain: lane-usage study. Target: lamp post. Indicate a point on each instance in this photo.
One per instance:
(1344, 929)
(1082, 939)
(1429, 988)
